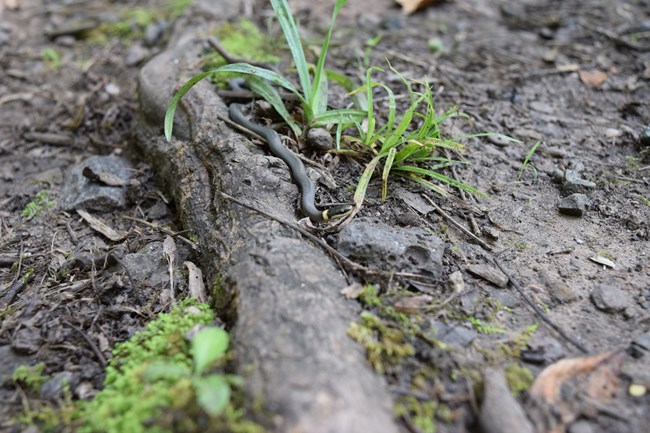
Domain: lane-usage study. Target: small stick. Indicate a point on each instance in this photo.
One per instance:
(93, 347)
(456, 224)
(162, 229)
(538, 310)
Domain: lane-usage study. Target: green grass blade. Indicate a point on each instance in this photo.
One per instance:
(384, 176)
(350, 86)
(318, 97)
(440, 177)
(362, 186)
(528, 156)
(290, 30)
(432, 186)
(269, 94)
(345, 115)
(171, 108)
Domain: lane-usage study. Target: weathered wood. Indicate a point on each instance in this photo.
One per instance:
(289, 321)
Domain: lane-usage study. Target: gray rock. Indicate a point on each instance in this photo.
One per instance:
(455, 335)
(78, 192)
(320, 139)
(10, 360)
(543, 349)
(609, 298)
(415, 201)
(148, 265)
(574, 204)
(572, 183)
(489, 273)
(643, 341)
(26, 341)
(385, 247)
(153, 32)
(644, 138)
(581, 426)
(53, 388)
(557, 289)
(500, 412)
(136, 54)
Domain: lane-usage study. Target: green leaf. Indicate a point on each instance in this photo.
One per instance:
(343, 115)
(165, 370)
(208, 345)
(318, 96)
(442, 178)
(364, 180)
(212, 393)
(269, 94)
(283, 13)
(242, 68)
(384, 176)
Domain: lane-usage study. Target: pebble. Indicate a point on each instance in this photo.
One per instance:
(153, 32)
(644, 138)
(574, 204)
(404, 249)
(53, 388)
(572, 183)
(643, 341)
(26, 341)
(136, 55)
(489, 273)
(79, 192)
(609, 298)
(500, 412)
(458, 336)
(581, 426)
(557, 289)
(320, 139)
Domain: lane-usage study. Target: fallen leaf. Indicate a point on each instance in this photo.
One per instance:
(195, 282)
(410, 6)
(353, 291)
(593, 78)
(98, 225)
(413, 304)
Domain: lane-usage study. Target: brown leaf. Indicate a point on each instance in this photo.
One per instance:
(593, 78)
(414, 304)
(195, 282)
(410, 6)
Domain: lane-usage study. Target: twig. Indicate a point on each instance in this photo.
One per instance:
(538, 310)
(162, 229)
(456, 224)
(341, 259)
(93, 347)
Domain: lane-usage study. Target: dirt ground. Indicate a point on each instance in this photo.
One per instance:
(571, 231)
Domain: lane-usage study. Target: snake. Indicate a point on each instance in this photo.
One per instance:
(296, 167)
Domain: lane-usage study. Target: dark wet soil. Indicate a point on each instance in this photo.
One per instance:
(572, 76)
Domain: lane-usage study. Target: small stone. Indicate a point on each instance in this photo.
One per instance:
(66, 41)
(489, 273)
(612, 133)
(320, 139)
(136, 54)
(643, 341)
(53, 388)
(609, 298)
(574, 204)
(581, 426)
(572, 183)
(557, 289)
(644, 138)
(112, 89)
(153, 32)
(26, 341)
(491, 233)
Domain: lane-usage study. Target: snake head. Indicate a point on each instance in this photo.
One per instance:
(336, 212)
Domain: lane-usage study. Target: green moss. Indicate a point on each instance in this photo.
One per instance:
(38, 204)
(30, 377)
(385, 346)
(519, 379)
(421, 414)
(241, 39)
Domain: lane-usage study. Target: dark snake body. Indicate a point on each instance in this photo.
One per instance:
(298, 173)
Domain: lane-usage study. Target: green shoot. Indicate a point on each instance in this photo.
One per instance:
(527, 159)
(314, 91)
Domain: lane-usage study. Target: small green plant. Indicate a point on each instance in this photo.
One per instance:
(526, 162)
(483, 328)
(31, 377)
(314, 94)
(38, 204)
(51, 58)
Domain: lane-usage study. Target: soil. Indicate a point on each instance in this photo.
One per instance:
(572, 77)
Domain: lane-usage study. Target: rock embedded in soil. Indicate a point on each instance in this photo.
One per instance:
(558, 290)
(53, 388)
(644, 138)
(500, 412)
(26, 341)
(572, 183)
(609, 298)
(79, 192)
(574, 204)
(384, 247)
(489, 273)
(319, 139)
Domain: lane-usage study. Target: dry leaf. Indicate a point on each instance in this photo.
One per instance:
(169, 252)
(410, 6)
(414, 304)
(352, 291)
(98, 225)
(195, 282)
(593, 79)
